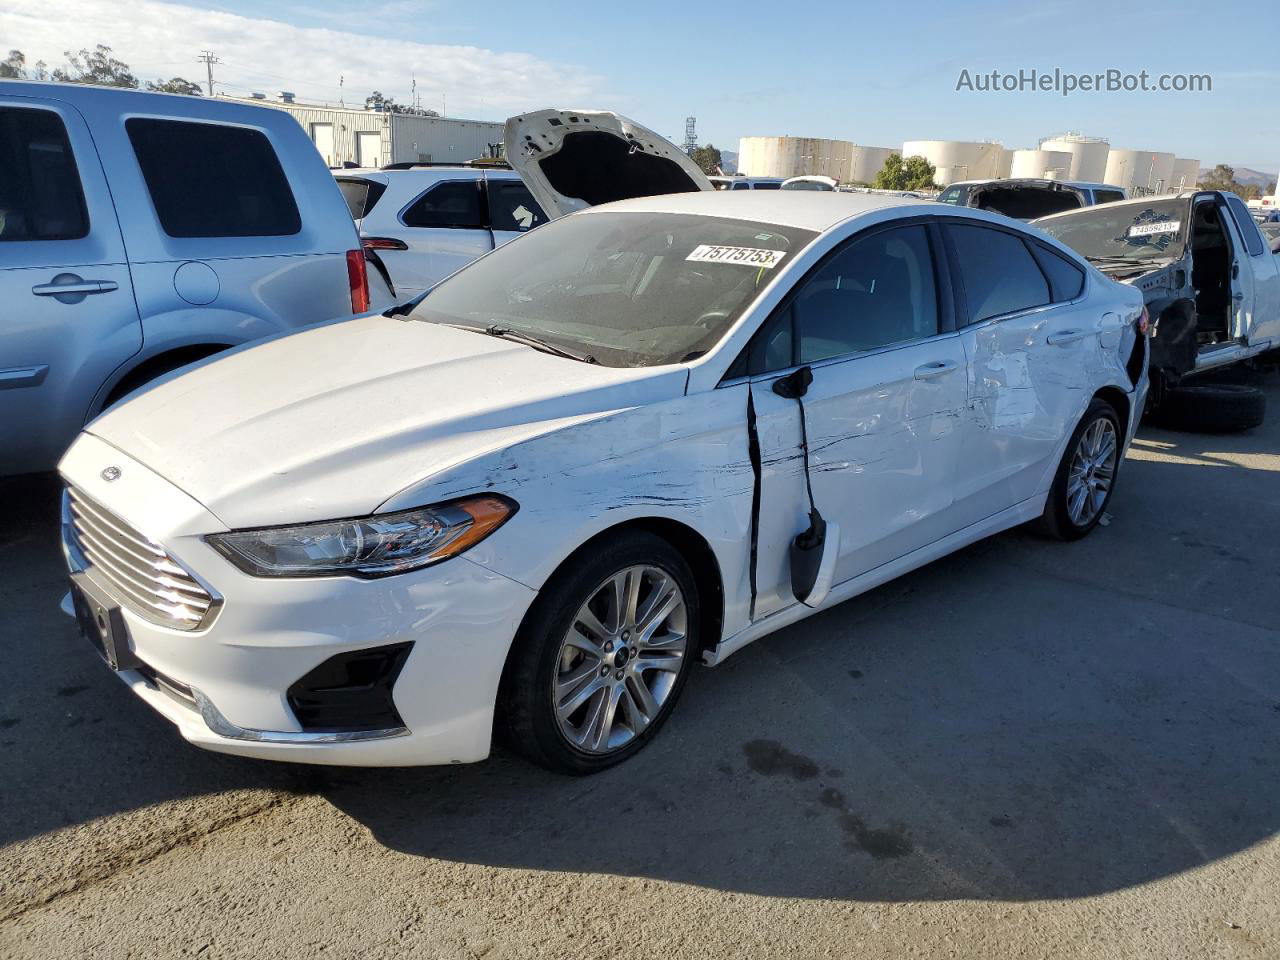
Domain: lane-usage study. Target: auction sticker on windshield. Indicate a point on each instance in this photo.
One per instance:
(1152, 228)
(749, 256)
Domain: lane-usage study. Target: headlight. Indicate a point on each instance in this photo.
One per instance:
(366, 546)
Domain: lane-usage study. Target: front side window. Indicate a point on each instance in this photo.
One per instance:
(512, 207)
(40, 193)
(453, 203)
(628, 289)
(997, 271)
(1247, 226)
(875, 292)
(766, 186)
(951, 195)
(211, 180)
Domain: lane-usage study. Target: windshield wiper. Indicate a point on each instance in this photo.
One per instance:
(529, 340)
(1123, 261)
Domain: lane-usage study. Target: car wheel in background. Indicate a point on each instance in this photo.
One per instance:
(1086, 477)
(602, 656)
(1213, 407)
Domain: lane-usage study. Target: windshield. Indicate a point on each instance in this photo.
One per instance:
(627, 289)
(949, 195)
(1155, 230)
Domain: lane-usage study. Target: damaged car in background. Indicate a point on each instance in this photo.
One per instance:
(1211, 283)
(1028, 198)
(643, 436)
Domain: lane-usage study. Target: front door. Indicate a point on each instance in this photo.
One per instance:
(883, 411)
(69, 318)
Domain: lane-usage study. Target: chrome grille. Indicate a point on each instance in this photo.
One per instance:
(140, 571)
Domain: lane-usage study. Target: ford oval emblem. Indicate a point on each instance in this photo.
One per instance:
(110, 474)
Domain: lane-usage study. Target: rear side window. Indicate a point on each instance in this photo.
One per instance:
(361, 195)
(742, 186)
(767, 186)
(512, 207)
(210, 180)
(40, 193)
(998, 272)
(1107, 196)
(1066, 280)
(1247, 226)
(453, 203)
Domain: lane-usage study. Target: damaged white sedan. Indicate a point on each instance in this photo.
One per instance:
(642, 436)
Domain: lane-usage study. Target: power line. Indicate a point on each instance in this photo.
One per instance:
(208, 59)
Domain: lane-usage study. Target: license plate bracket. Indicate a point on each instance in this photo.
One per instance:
(102, 623)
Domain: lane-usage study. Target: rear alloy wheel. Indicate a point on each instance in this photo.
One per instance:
(1086, 477)
(602, 656)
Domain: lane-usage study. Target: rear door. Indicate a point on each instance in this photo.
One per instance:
(1262, 283)
(69, 317)
(512, 209)
(444, 228)
(1030, 338)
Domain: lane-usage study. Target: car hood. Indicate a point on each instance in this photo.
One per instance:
(574, 159)
(333, 421)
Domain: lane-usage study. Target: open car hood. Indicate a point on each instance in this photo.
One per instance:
(574, 159)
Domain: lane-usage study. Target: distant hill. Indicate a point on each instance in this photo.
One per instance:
(728, 161)
(1246, 176)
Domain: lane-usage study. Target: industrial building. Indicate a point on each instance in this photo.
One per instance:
(787, 157)
(373, 138)
(1088, 155)
(956, 160)
(1140, 172)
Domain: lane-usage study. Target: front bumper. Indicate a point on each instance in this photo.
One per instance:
(225, 686)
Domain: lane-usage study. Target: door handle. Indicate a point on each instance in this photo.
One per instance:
(927, 371)
(80, 287)
(1065, 336)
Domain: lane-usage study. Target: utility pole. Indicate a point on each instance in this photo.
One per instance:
(208, 59)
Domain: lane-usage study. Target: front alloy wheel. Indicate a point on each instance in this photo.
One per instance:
(620, 658)
(602, 656)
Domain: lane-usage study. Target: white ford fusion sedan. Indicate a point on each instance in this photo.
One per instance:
(637, 438)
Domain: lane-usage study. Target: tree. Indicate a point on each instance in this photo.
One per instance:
(175, 85)
(96, 66)
(376, 101)
(707, 158)
(1221, 177)
(913, 173)
(14, 66)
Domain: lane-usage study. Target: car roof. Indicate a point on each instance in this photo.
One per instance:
(1090, 184)
(806, 209)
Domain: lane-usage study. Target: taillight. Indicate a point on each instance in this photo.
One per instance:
(383, 243)
(358, 280)
(1144, 322)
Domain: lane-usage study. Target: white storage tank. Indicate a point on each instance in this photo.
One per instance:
(1088, 156)
(1141, 172)
(1006, 164)
(787, 157)
(1041, 164)
(957, 159)
(868, 161)
(1186, 174)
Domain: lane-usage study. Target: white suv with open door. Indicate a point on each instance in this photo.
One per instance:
(426, 221)
(140, 232)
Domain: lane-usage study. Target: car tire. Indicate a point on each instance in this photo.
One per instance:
(1081, 472)
(1213, 408)
(548, 672)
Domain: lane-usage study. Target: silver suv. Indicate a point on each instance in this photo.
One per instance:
(140, 232)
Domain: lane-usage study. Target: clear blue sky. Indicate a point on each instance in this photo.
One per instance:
(878, 73)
